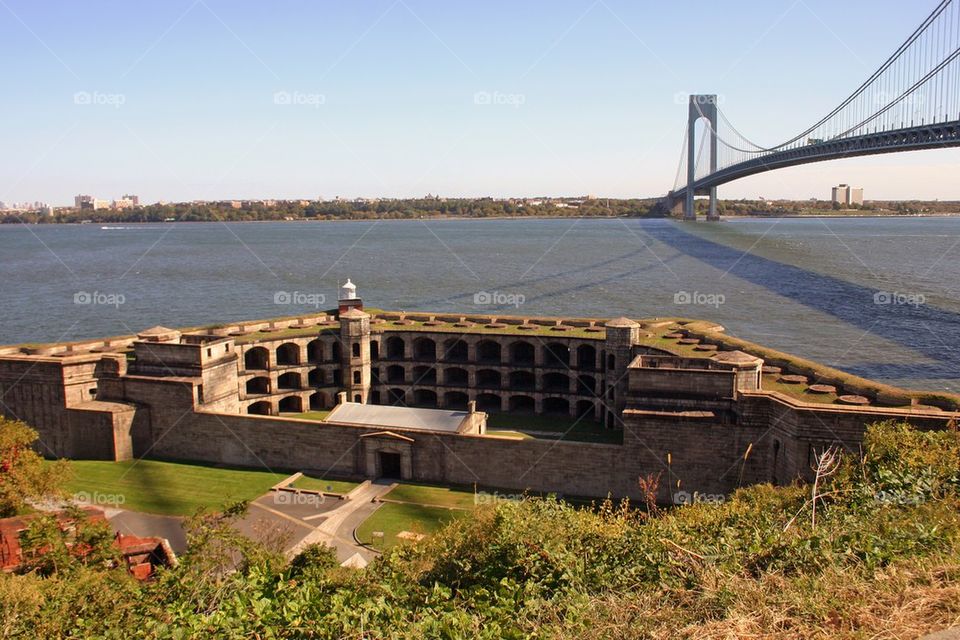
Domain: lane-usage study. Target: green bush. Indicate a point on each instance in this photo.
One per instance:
(881, 555)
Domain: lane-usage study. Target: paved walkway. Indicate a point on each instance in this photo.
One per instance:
(295, 519)
(336, 530)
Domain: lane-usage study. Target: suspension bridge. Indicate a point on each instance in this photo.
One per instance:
(911, 102)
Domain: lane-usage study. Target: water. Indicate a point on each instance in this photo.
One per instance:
(806, 286)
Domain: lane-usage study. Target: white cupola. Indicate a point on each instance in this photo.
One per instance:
(348, 291)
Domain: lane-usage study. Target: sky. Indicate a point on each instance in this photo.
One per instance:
(214, 99)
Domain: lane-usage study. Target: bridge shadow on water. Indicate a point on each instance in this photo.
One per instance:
(925, 329)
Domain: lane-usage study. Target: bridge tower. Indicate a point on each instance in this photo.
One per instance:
(701, 106)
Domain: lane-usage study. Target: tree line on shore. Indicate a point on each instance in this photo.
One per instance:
(406, 209)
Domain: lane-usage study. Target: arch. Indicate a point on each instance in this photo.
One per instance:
(316, 377)
(319, 400)
(425, 398)
(397, 397)
(256, 358)
(422, 374)
(335, 352)
(488, 379)
(586, 410)
(586, 385)
(396, 373)
(374, 349)
(396, 348)
(456, 400)
(455, 350)
(524, 380)
(522, 352)
(586, 357)
(289, 380)
(315, 351)
(261, 408)
(424, 349)
(258, 385)
(291, 404)
(288, 353)
(522, 404)
(556, 354)
(556, 406)
(456, 376)
(555, 381)
(489, 402)
(611, 361)
(489, 352)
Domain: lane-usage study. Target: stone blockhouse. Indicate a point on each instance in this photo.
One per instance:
(703, 425)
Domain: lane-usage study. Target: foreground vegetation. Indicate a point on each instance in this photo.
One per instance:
(872, 550)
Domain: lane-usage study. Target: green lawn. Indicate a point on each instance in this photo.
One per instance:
(426, 494)
(393, 518)
(167, 488)
(322, 484)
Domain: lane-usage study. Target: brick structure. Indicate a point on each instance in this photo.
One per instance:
(220, 395)
(140, 555)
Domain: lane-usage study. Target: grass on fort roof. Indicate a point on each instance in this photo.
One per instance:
(542, 333)
(292, 332)
(516, 435)
(799, 391)
(319, 416)
(391, 519)
(167, 488)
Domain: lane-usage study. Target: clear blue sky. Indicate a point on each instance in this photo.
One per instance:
(183, 96)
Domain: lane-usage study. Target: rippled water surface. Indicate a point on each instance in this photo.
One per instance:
(878, 297)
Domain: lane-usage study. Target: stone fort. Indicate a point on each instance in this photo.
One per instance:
(689, 405)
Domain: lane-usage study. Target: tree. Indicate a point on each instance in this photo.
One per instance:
(24, 476)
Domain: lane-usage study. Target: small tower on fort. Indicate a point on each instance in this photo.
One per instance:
(355, 354)
(348, 298)
(622, 334)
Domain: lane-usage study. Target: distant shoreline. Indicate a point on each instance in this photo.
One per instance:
(952, 214)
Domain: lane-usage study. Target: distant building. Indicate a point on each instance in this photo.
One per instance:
(846, 195)
(132, 198)
(123, 203)
(89, 202)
